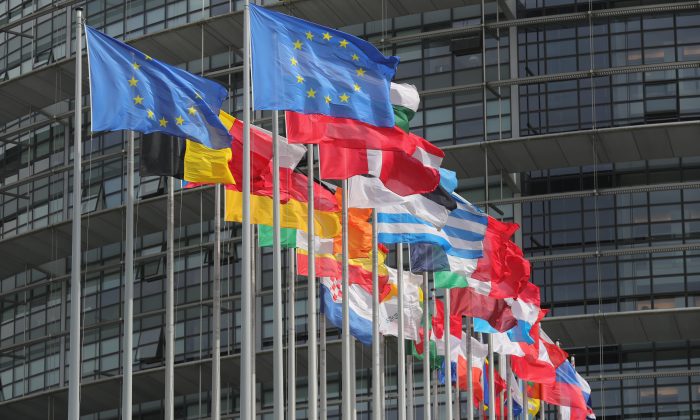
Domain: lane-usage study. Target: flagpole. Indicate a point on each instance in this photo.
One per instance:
(278, 336)
(401, 340)
(492, 390)
(502, 372)
(470, 386)
(216, 311)
(426, 347)
(456, 411)
(409, 387)
(312, 312)
(169, 399)
(75, 286)
(247, 406)
(348, 399)
(255, 264)
(376, 354)
(510, 393)
(448, 357)
(292, 337)
(128, 281)
(382, 377)
(543, 409)
(436, 402)
(526, 404)
(353, 377)
(323, 407)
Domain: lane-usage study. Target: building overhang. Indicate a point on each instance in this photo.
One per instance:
(576, 148)
(40, 246)
(632, 327)
(149, 384)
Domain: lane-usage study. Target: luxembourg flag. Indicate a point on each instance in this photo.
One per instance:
(360, 308)
(569, 391)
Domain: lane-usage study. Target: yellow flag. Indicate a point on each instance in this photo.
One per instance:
(293, 214)
(533, 406)
(207, 166)
(226, 119)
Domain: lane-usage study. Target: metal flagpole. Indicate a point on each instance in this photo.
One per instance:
(382, 377)
(543, 409)
(353, 377)
(448, 358)
(436, 402)
(246, 385)
(128, 281)
(470, 387)
(169, 399)
(323, 405)
(278, 336)
(502, 372)
(312, 312)
(492, 391)
(401, 341)
(216, 308)
(376, 353)
(292, 337)
(510, 393)
(455, 410)
(523, 387)
(75, 287)
(409, 388)
(426, 348)
(255, 262)
(348, 398)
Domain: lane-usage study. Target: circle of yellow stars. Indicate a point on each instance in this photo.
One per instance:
(311, 93)
(150, 114)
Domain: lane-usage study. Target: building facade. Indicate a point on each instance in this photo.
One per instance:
(576, 119)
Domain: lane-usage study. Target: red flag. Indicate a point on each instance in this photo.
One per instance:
(346, 132)
(468, 302)
(536, 365)
(402, 173)
(503, 264)
(293, 185)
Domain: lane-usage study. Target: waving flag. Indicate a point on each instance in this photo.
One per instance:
(305, 67)
(461, 238)
(569, 390)
(466, 225)
(540, 360)
(164, 155)
(293, 214)
(370, 192)
(479, 353)
(412, 310)
(360, 308)
(129, 90)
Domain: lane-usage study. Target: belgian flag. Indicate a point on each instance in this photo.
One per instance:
(164, 155)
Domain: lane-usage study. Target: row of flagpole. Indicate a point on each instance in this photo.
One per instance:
(247, 381)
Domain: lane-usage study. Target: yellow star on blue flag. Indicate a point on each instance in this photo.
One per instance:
(293, 57)
(130, 90)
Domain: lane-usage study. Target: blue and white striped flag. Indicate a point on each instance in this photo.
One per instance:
(461, 239)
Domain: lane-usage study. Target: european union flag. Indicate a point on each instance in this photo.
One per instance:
(129, 90)
(308, 68)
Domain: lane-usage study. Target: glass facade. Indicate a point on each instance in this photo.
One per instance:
(594, 249)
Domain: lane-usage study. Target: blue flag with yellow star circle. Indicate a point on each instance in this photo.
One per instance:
(129, 90)
(308, 68)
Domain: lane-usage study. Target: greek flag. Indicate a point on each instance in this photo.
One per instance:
(461, 238)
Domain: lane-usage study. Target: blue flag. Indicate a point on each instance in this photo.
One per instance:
(129, 90)
(308, 68)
